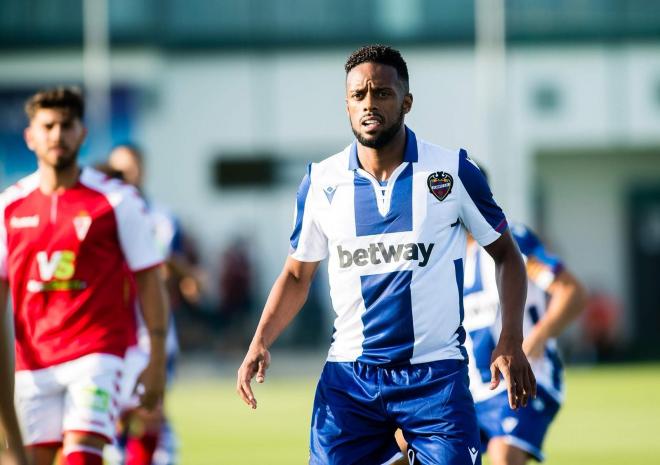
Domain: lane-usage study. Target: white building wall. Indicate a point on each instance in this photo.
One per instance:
(291, 104)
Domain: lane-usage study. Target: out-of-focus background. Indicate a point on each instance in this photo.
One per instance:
(230, 99)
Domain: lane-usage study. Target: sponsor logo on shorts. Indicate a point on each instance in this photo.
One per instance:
(97, 399)
(509, 423)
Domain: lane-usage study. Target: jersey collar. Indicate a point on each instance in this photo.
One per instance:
(409, 154)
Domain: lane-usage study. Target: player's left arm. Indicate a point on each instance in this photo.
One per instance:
(152, 297)
(487, 223)
(138, 243)
(508, 357)
(10, 434)
(568, 299)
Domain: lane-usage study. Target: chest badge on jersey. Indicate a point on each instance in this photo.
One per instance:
(81, 223)
(440, 184)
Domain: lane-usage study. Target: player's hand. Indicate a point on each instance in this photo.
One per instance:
(534, 345)
(256, 362)
(509, 360)
(13, 456)
(151, 385)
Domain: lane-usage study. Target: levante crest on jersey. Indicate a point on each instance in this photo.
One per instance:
(440, 184)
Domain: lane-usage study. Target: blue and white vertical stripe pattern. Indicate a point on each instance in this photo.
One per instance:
(483, 317)
(395, 251)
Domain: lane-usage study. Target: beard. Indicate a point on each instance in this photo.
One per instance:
(67, 160)
(385, 136)
(65, 163)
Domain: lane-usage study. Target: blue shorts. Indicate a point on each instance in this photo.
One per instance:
(358, 407)
(524, 428)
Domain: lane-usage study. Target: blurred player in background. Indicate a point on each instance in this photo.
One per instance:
(68, 238)
(388, 213)
(554, 299)
(147, 435)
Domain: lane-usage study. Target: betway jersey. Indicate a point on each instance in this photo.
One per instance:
(483, 320)
(396, 251)
(66, 258)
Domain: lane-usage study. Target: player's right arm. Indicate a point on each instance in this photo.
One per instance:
(308, 247)
(567, 294)
(10, 434)
(285, 300)
(568, 299)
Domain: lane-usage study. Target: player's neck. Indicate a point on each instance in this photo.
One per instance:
(381, 162)
(52, 180)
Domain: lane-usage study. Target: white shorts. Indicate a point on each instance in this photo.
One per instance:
(81, 395)
(135, 362)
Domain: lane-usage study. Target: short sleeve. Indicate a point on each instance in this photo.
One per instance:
(478, 210)
(168, 235)
(137, 232)
(549, 265)
(308, 243)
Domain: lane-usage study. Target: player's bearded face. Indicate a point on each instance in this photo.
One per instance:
(55, 136)
(382, 138)
(376, 102)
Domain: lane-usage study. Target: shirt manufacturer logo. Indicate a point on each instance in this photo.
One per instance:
(474, 453)
(329, 192)
(19, 222)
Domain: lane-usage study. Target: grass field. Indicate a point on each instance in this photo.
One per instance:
(611, 416)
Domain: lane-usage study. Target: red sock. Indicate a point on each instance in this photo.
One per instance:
(140, 450)
(83, 457)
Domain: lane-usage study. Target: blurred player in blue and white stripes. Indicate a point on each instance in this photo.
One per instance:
(554, 299)
(148, 437)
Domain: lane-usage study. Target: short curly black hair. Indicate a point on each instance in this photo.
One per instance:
(382, 54)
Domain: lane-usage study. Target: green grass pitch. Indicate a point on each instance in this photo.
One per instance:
(611, 417)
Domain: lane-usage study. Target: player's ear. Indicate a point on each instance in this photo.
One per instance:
(29, 140)
(407, 102)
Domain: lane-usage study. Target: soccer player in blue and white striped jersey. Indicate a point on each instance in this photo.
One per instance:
(554, 299)
(391, 213)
